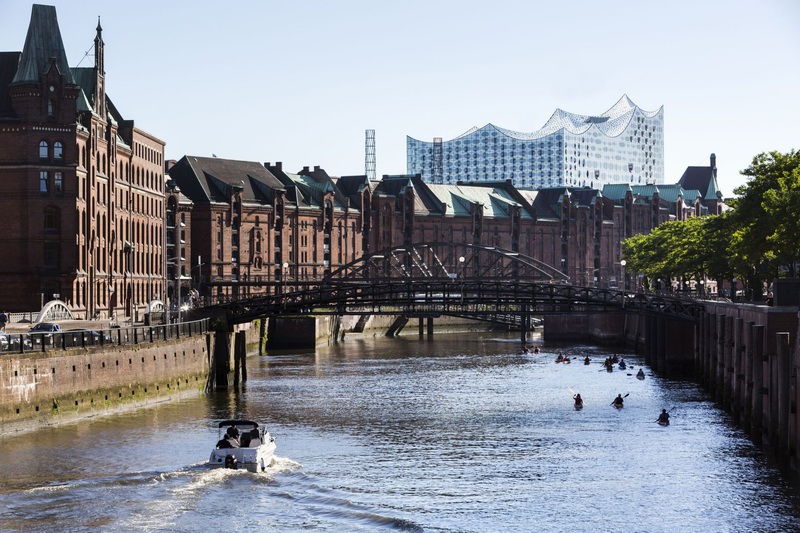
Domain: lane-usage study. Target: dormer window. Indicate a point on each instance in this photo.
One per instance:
(51, 109)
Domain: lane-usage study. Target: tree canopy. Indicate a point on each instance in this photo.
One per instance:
(757, 240)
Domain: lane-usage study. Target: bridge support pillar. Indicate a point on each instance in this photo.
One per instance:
(240, 358)
(661, 344)
(524, 325)
(430, 327)
(221, 360)
(421, 327)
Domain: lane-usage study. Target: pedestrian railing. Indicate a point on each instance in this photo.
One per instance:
(85, 338)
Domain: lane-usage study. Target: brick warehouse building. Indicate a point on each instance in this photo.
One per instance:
(73, 168)
(83, 187)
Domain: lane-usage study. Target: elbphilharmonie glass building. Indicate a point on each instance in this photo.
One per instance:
(623, 145)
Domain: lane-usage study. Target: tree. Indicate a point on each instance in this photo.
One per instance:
(764, 241)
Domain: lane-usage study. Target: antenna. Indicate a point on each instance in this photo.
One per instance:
(369, 159)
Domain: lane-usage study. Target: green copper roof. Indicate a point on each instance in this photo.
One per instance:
(43, 45)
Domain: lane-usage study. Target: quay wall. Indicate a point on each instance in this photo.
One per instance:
(58, 386)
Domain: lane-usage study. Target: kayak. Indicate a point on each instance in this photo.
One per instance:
(662, 423)
(618, 405)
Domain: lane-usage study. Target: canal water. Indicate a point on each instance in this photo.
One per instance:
(464, 433)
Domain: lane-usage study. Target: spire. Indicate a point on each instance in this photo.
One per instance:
(99, 51)
(43, 47)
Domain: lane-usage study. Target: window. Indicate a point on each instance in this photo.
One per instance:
(52, 221)
(51, 259)
(43, 150)
(51, 111)
(58, 150)
(43, 181)
(58, 183)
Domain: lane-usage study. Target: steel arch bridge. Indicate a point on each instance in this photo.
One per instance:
(428, 280)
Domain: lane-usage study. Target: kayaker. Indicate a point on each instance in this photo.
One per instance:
(578, 400)
(640, 374)
(663, 418)
(618, 401)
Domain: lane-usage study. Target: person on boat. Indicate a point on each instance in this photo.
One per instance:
(622, 364)
(618, 401)
(586, 360)
(663, 418)
(578, 401)
(536, 350)
(560, 358)
(640, 374)
(231, 439)
(255, 438)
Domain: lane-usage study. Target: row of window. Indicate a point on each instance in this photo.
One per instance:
(44, 150)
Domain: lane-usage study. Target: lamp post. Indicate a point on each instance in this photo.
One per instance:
(624, 281)
(461, 261)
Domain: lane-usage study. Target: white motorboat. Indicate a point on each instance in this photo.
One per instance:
(243, 445)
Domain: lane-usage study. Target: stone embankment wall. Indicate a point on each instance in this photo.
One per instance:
(53, 387)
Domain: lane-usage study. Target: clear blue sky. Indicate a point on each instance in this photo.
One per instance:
(299, 82)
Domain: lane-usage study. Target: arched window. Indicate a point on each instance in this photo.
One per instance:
(43, 150)
(58, 150)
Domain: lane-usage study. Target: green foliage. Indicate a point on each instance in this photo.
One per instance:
(758, 240)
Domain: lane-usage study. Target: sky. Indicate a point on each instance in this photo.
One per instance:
(301, 81)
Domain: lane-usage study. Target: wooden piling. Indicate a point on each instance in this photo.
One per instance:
(783, 382)
(757, 340)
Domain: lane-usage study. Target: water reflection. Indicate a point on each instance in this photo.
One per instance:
(459, 434)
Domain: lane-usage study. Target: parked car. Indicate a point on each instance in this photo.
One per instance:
(46, 327)
(43, 332)
(10, 342)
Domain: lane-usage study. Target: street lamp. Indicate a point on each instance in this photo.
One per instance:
(461, 261)
(624, 281)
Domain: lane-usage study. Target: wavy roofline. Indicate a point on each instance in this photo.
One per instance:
(611, 123)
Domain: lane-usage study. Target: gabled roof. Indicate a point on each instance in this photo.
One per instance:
(702, 179)
(43, 45)
(616, 191)
(209, 179)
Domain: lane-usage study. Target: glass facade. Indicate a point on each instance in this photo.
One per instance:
(623, 145)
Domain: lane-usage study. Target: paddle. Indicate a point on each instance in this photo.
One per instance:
(670, 410)
(612, 403)
(583, 403)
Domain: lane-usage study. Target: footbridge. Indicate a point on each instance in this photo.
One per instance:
(435, 279)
